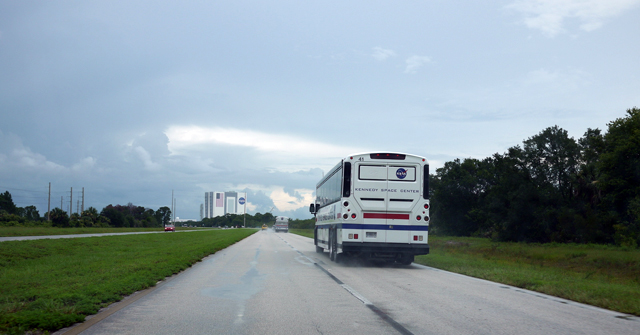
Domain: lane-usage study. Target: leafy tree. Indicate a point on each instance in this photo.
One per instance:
(512, 204)
(149, 218)
(90, 217)
(6, 203)
(130, 221)
(115, 216)
(31, 213)
(75, 220)
(619, 165)
(59, 218)
(552, 158)
(267, 218)
(163, 215)
(302, 224)
(103, 221)
(456, 193)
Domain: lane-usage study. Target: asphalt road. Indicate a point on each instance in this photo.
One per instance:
(275, 283)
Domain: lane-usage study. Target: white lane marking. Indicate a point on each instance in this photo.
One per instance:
(344, 286)
(356, 294)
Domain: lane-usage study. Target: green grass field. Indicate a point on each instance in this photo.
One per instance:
(598, 275)
(42, 231)
(47, 285)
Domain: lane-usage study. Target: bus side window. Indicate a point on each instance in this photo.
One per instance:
(346, 186)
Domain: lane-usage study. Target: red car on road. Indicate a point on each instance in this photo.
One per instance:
(170, 228)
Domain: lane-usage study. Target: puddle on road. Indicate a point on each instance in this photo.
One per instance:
(240, 290)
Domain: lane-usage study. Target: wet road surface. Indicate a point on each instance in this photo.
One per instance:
(275, 283)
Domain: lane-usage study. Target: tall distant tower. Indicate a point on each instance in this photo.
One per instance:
(221, 203)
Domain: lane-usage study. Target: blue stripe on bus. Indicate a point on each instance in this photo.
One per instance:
(374, 226)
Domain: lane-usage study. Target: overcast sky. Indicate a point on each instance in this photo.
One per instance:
(134, 99)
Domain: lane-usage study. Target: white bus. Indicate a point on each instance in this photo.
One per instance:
(282, 224)
(374, 206)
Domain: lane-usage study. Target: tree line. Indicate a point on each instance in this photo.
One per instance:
(551, 189)
(125, 216)
(254, 221)
(111, 216)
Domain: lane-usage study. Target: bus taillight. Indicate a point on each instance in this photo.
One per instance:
(426, 218)
(426, 206)
(418, 217)
(353, 215)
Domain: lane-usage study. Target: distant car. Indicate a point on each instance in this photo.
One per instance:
(170, 228)
(264, 226)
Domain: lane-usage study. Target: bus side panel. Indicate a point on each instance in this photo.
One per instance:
(323, 237)
(327, 217)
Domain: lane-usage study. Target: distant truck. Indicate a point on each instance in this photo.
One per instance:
(282, 224)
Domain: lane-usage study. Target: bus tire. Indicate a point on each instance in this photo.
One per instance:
(406, 260)
(333, 247)
(315, 236)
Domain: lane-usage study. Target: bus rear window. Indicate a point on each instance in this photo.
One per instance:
(402, 173)
(384, 173)
(372, 172)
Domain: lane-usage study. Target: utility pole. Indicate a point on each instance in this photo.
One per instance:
(244, 215)
(61, 202)
(172, 203)
(82, 201)
(49, 204)
(71, 202)
(78, 206)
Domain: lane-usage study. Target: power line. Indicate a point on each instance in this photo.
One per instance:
(18, 189)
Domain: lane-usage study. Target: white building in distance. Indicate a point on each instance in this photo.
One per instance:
(221, 203)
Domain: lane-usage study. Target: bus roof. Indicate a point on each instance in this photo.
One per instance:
(386, 155)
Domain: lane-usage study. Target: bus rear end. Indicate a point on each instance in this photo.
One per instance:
(282, 224)
(382, 212)
(388, 207)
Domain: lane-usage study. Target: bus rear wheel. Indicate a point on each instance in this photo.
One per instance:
(315, 241)
(333, 248)
(405, 260)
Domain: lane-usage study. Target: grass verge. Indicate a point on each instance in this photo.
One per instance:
(42, 231)
(302, 232)
(598, 275)
(47, 285)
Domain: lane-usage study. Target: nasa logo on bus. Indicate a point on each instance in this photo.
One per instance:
(401, 173)
(241, 201)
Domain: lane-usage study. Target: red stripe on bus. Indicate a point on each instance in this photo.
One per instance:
(391, 216)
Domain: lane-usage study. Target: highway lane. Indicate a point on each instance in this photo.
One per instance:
(274, 283)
